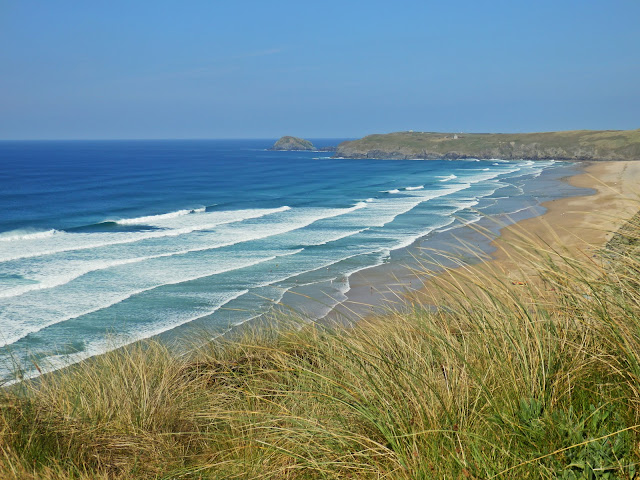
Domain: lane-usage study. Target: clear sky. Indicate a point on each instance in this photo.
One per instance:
(262, 69)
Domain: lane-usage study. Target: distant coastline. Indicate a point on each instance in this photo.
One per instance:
(578, 145)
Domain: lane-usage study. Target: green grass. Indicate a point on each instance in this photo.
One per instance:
(533, 381)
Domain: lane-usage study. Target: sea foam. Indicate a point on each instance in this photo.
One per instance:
(17, 235)
(150, 219)
(448, 177)
(68, 242)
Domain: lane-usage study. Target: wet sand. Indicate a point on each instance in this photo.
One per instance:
(576, 225)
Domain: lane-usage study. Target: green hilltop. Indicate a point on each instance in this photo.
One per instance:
(568, 145)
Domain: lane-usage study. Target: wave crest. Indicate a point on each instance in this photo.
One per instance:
(448, 177)
(14, 235)
(155, 218)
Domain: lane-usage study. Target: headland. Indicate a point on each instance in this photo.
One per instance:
(578, 145)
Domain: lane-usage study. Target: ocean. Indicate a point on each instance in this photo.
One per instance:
(103, 243)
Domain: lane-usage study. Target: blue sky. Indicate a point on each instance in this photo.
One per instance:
(261, 69)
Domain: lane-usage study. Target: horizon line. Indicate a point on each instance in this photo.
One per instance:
(142, 139)
(69, 139)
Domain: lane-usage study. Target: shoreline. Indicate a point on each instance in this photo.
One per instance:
(577, 223)
(580, 224)
(568, 221)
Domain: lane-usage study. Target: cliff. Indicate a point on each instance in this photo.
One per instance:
(292, 143)
(570, 145)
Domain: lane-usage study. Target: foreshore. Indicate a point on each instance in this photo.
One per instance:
(571, 225)
(576, 225)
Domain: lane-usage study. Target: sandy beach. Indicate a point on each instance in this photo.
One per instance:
(577, 224)
(574, 225)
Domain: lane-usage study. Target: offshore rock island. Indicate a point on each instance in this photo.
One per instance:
(568, 145)
(292, 143)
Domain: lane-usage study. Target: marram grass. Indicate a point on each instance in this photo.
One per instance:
(534, 380)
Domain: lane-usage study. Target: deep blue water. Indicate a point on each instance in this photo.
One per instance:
(106, 242)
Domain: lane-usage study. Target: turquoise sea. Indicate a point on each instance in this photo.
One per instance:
(106, 242)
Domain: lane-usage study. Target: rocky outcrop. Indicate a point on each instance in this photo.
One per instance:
(573, 145)
(292, 143)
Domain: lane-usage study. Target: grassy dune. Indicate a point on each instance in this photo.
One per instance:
(570, 145)
(540, 380)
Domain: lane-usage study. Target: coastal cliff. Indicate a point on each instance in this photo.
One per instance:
(292, 143)
(569, 145)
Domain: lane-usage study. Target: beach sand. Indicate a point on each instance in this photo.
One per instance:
(576, 225)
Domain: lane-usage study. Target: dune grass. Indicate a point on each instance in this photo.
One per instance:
(540, 380)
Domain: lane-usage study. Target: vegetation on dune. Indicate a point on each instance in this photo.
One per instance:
(570, 145)
(540, 380)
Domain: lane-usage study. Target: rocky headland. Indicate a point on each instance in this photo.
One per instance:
(569, 145)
